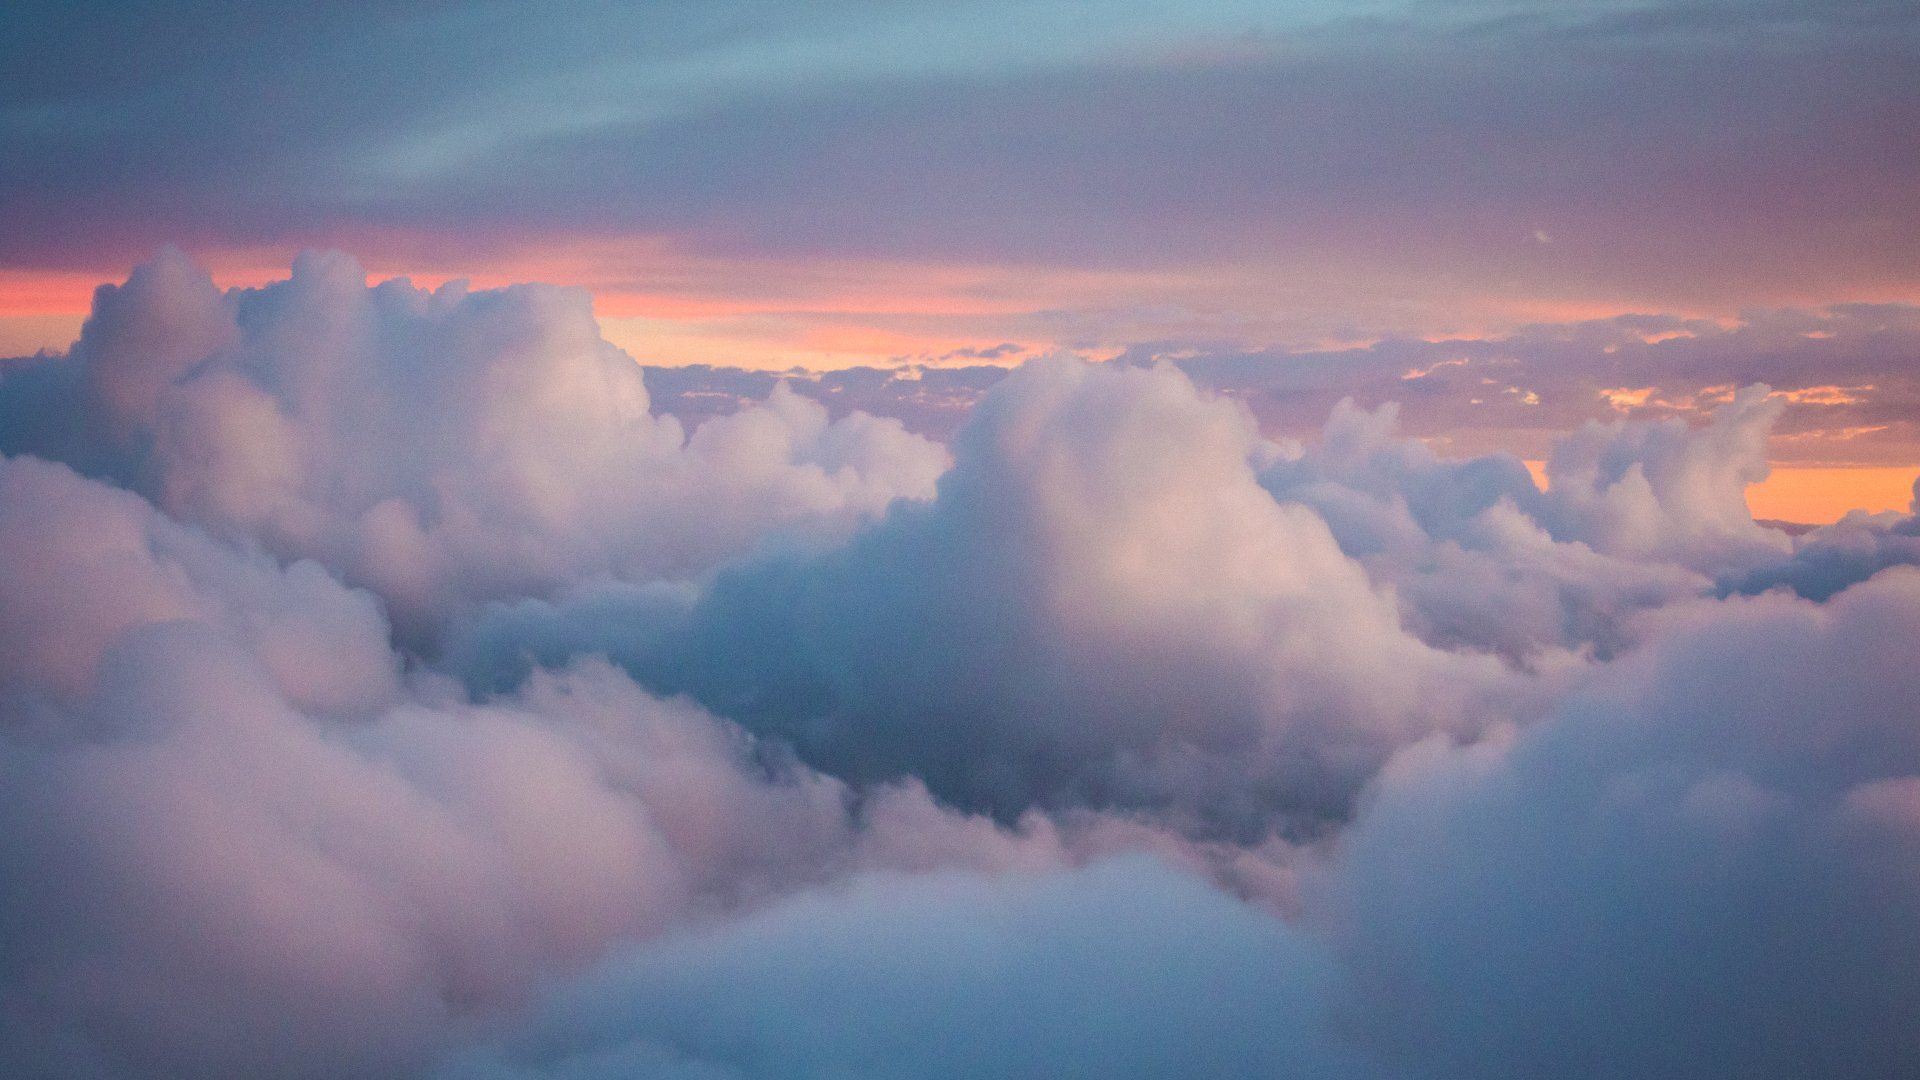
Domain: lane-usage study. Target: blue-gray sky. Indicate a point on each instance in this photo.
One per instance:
(759, 175)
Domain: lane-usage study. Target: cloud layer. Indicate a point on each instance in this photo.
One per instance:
(386, 691)
(437, 448)
(1843, 376)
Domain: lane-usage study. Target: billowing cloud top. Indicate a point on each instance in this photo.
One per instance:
(386, 690)
(441, 448)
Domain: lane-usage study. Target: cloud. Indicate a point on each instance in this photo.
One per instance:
(1519, 390)
(438, 448)
(1664, 490)
(1123, 596)
(1829, 559)
(1480, 557)
(238, 840)
(1114, 739)
(930, 401)
(89, 563)
(1102, 605)
(1702, 865)
(1846, 391)
(1123, 969)
(1702, 861)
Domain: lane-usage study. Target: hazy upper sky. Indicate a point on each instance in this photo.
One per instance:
(769, 183)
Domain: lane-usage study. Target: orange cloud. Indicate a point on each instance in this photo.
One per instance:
(1827, 395)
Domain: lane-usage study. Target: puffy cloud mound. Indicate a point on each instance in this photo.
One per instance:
(1706, 864)
(1125, 969)
(437, 447)
(238, 841)
(1123, 596)
(87, 563)
(1829, 559)
(1664, 490)
(1102, 606)
(1481, 558)
(1120, 741)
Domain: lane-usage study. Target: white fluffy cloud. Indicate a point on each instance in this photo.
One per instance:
(1706, 864)
(1101, 606)
(1134, 744)
(238, 841)
(1664, 490)
(1122, 970)
(1833, 557)
(1123, 596)
(1481, 558)
(446, 447)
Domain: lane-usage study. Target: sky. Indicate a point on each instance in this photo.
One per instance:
(962, 541)
(903, 184)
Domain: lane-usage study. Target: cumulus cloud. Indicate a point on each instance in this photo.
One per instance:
(238, 840)
(1102, 605)
(1827, 560)
(1124, 969)
(439, 448)
(87, 563)
(1843, 377)
(1703, 865)
(1666, 490)
(1118, 740)
(1480, 557)
(1123, 596)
